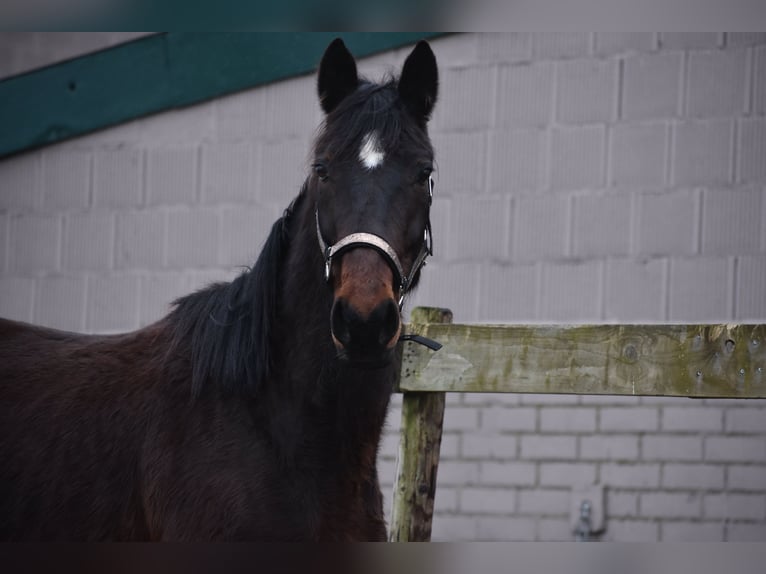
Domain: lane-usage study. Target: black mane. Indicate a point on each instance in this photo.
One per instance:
(227, 327)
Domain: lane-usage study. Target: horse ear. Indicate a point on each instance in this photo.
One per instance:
(419, 82)
(337, 75)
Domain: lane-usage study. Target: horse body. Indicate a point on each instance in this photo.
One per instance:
(253, 411)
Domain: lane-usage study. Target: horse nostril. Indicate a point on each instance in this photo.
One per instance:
(340, 322)
(388, 313)
(364, 334)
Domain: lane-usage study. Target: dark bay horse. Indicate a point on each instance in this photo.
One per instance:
(253, 411)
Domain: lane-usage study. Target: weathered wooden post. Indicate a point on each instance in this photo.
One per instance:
(418, 456)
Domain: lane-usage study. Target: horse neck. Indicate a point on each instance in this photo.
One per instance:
(350, 404)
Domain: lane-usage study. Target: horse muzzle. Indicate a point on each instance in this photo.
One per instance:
(365, 320)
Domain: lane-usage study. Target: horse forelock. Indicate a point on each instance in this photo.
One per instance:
(371, 109)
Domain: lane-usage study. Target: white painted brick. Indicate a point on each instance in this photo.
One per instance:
(633, 531)
(16, 298)
(506, 47)
(461, 419)
(465, 99)
(227, 173)
(635, 290)
(577, 157)
(759, 103)
(620, 503)
(735, 506)
(454, 528)
(450, 446)
(456, 50)
(60, 303)
(752, 150)
(608, 43)
(508, 293)
(525, 95)
(651, 85)
(548, 447)
(667, 223)
(509, 420)
(244, 231)
(540, 227)
(692, 419)
(610, 400)
(670, 505)
(34, 243)
(671, 448)
(560, 44)
(692, 532)
(609, 447)
(460, 159)
(507, 473)
(478, 228)
(570, 420)
(177, 127)
(586, 91)
(491, 446)
(241, 116)
(292, 107)
(746, 420)
(516, 159)
(699, 290)
(735, 449)
(118, 178)
(751, 277)
(571, 292)
(491, 528)
(66, 179)
(171, 176)
(446, 500)
(462, 296)
(458, 473)
(639, 151)
(157, 292)
(693, 476)
(717, 83)
(688, 40)
(20, 182)
(637, 419)
(544, 502)
(193, 238)
(738, 39)
(601, 225)
(567, 475)
(703, 152)
(140, 240)
(751, 477)
(488, 399)
(283, 169)
(88, 241)
(112, 304)
(545, 400)
(630, 475)
(746, 532)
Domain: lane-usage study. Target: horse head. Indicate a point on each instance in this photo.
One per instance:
(372, 189)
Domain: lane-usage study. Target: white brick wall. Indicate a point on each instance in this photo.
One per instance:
(613, 177)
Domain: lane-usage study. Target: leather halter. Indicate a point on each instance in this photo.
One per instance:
(363, 239)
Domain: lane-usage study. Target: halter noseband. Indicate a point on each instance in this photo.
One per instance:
(382, 246)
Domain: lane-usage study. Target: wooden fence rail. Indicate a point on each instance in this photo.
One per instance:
(700, 361)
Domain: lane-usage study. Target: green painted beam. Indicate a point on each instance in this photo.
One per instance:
(157, 73)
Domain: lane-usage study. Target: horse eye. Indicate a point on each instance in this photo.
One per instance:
(424, 174)
(321, 170)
